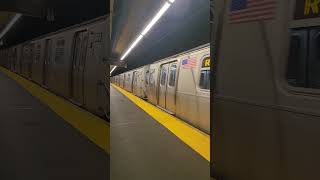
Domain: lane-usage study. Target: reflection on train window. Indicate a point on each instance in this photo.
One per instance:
(204, 79)
(163, 75)
(304, 59)
(172, 77)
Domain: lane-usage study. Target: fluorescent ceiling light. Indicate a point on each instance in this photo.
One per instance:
(113, 69)
(132, 46)
(156, 18)
(164, 8)
(10, 24)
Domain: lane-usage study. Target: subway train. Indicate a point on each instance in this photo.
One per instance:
(70, 62)
(266, 91)
(179, 85)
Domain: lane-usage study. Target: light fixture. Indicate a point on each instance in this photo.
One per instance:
(113, 69)
(132, 46)
(154, 20)
(10, 24)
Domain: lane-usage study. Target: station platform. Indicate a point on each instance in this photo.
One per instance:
(37, 142)
(144, 147)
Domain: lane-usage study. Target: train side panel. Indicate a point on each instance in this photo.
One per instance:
(128, 81)
(192, 100)
(96, 83)
(153, 81)
(264, 117)
(37, 65)
(18, 60)
(139, 85)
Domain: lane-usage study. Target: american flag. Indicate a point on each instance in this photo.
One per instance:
(242, 11)
(189, 63)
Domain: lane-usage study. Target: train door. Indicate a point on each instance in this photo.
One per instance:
(163, 85)
(79, 58)
(171, 88)
(135, 83)
(46, 63)
(124, 81)
(30, 60)
(167, 86)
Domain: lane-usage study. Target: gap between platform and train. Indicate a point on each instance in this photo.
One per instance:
(93, 127)
(193, 137)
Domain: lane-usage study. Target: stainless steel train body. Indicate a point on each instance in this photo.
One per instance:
(69, 62)
(179, 84)
(266, 103)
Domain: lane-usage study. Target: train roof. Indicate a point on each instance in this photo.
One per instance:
(101, 18)
(173, 56)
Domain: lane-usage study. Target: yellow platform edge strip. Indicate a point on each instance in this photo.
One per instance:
(93, 127)
(193, 137)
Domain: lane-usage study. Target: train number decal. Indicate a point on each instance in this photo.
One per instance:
(307, 9)
(206, 62)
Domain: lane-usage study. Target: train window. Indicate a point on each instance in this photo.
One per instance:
(314, 60)
(296, 74)
(172, 77)
(304, 58)
(204, 79)
(163, 75)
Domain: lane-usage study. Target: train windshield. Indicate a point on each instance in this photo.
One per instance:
(205, 79)
(304, 58)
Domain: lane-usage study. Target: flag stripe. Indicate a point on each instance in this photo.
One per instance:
(251, 10)
(189, 63)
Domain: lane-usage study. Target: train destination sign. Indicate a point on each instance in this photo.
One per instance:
(307, 9)
(206, 62)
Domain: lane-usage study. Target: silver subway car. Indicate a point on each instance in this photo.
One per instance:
(266, 115)
(69, 62)
(179, 84)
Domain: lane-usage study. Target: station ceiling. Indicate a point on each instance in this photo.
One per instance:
(184, 26)
(34, 23)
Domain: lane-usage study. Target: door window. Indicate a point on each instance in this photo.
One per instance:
(163, 75)
(59, 51)
(47, 51)
(172, 77)
(77, 51)
(84, 45)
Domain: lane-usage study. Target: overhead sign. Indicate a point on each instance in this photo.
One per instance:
(206, 62)
(307, 9)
